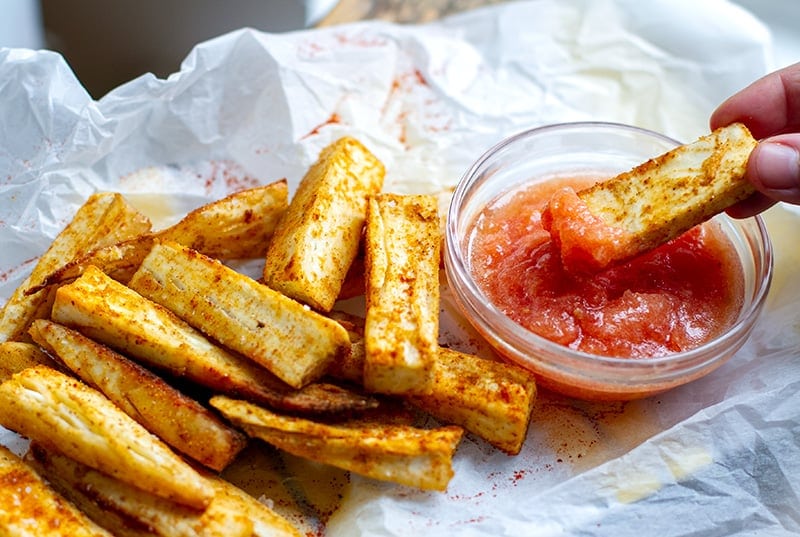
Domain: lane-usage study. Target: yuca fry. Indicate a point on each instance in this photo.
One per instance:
(398, 453)
(16, 356)
(402, 297)
(111, 313)
(177, 419)
(319, 235)
(31, 508)
(490, 399)
(238, 226)
(104, 219)
(293, 342)
(636, 211)
(125, 510)
(65, 415)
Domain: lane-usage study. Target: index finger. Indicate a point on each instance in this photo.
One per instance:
(768, 106)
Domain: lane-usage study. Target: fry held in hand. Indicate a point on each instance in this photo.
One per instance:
(65, 415)
(318, 237)
(654, 203)
(29, 507)
(402, 277)
(177, 419)
(276, 332)
(399, 453)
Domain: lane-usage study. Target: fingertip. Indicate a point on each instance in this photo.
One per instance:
(774, 168)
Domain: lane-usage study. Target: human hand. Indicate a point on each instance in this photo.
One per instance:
(770, 108)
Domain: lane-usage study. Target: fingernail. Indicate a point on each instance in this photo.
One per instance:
(778, 166)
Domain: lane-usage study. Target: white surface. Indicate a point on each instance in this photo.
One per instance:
(783, 19)
(718, 457)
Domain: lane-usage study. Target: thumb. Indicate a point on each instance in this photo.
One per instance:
(774, 167)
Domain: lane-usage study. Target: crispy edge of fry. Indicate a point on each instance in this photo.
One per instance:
(402, 454)
(238, 226)
(64, 414)
(31, 507)
(491, 399)
(280, 334)
(103, 219)
(125, 510)
(319, 235)
(16, 356)
(177, 419)
(402, 246)
(111, 313)
(118, 260)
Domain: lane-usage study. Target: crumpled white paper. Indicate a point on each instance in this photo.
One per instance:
(718, 457)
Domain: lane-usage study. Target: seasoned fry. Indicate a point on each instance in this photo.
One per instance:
(318, 237)
(113, 314)
(63, 414)
(238, 226)
(293, 342)
(125, 510)
(490, 399)
(399, 453)
(655, 202)
(178, 420)
(31, 508)
(104, 219)
(120, 261)
(402, 275)
(16, 356)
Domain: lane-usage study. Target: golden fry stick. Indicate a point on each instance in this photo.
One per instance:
(63, 414)
(280, 334)
(113, 314)
(31, 508)
(238, 226)
(104, 219)
(402, 274)
(125, 510)
(318, 237)
(399, 453)
(655, 202)
(16, 356)
(178, 420)
(488, 398)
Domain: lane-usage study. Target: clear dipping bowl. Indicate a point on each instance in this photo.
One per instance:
(576, 149)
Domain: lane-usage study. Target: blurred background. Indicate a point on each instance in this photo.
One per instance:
(109, 43)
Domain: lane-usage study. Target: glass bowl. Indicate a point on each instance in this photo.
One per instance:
(575, 149)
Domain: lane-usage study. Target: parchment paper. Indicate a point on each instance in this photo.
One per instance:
(718, 457)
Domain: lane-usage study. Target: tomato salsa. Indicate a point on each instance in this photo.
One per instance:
(668, 300)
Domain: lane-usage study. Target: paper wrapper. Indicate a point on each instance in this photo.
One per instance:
(716, 457)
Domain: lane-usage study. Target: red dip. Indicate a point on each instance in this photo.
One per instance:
(668, 300)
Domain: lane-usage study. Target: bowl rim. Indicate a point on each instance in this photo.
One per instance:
(493, 318)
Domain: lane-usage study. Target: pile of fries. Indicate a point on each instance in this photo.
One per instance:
(139, 364)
